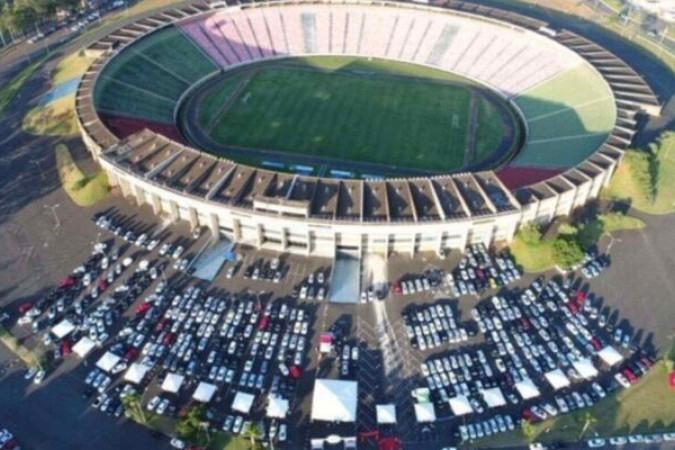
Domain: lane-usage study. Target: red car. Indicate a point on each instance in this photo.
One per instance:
(25, 307)
(67, 282)
(397, 288)
(630, 375)
(143, 307)
(295, 372)
(168, 339)
(264, 323)
(597, 345)
(102, 284)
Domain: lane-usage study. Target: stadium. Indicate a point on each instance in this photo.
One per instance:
(359, 127)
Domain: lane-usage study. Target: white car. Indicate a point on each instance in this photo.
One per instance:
(177, 443)
(596, 443)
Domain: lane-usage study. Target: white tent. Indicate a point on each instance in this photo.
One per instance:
(108, 361)
(83, 347)
(242, 402)
(557, 379)
(277, 407)
(460, 405)
(493, 397)
(422, 395)
(386, 413)
(136, 372)
(63, 329)
(610, 356)
(585, 368)
(172, 383)
(425, 412)
(334, 400)
(527, 389)
(204, 392)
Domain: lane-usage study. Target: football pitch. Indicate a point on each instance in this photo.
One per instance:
(352, 110)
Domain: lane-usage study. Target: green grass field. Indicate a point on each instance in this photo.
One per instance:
(348, 109)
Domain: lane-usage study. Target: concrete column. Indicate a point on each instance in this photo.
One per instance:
(386, 247)
(413, 244)
(310, 243)
(439, 245)
(260, 235)
(236, 229)
(156, 205)
(174, 212)
(139, 195)
(214, 225)
(124, 187)
(284, 239)
(194, 218)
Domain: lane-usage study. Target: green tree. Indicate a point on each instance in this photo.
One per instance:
(133, 408)
(589, 421)
(567, 251)
(189, 425)
(253, 434)
(529, 431)
(530, 234)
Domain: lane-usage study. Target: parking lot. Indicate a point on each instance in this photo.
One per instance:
(241, 333)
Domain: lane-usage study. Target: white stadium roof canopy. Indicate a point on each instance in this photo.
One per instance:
(136, 372)
(277, 407)
(172, 383)
(204, 392)
(108, 361)
(610, 356)
(493, 397)
(425, 412)
(460, 405)
(334, 400)
(585, 368)
(243, 402)
(83, 347)
(63, 329)
(527, 389)
(385, 413)
(557, 379)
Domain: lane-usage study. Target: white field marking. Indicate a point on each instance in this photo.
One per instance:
(562, 110)
(563, 138)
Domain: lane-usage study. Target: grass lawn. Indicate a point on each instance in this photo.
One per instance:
(489, 131)
(214, 103)
(56, 118)
(533, 257)
(8, 91)
(224, 441)
(370, 111)
(591, 232)
(647, 407)
(638, 171)
(69, 67)
(82, 189)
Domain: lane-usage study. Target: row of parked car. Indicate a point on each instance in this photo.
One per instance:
(481, 269)
(530, 335)
(314, 286)
(432, 325)
(594, 265)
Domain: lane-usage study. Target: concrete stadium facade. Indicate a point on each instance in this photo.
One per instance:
(319, 216)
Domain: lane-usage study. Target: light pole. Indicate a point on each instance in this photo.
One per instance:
(57, 222)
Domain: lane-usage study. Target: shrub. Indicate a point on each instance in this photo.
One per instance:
(530, 234)
(567, 251)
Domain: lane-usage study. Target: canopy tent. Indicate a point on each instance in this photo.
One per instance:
(108, 361)
(136, 372)
(610, 356)
(326, 342)
(493, 397)
(585, 368)
(422, 395)
(425, 412)
(334, 400)
(385, 413)
(63, 329)
(204, 392)
(172, 383)
(83, 347)
(277, 407)
(243, 402)
(527, 389)
(460, 405)
(557, 379)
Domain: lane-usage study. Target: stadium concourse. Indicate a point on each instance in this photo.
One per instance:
(578, 104)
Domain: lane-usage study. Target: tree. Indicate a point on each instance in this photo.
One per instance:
(252, 433)
(567, 251)
(190, 424)
(133, 408)
(589, 421)
(530, 234)
(529, 431)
